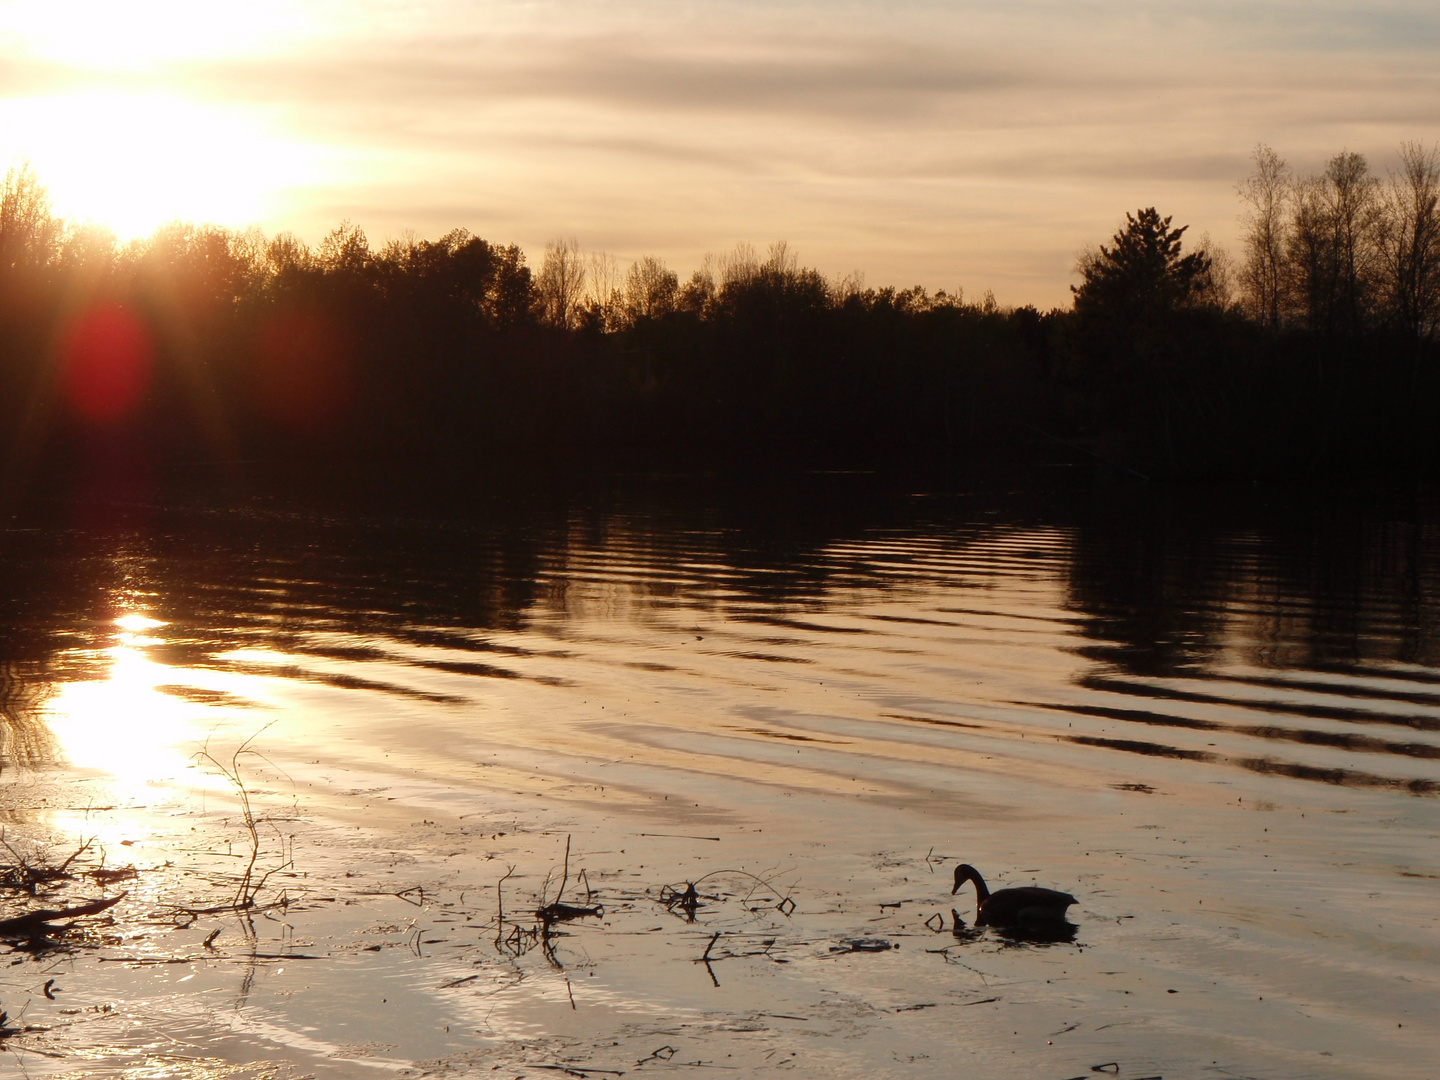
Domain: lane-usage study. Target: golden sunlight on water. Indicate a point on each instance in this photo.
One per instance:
(123, 723)
(1233, 772)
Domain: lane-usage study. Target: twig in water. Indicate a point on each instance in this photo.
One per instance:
(248, 888)
(705, 958)
(559, 912)
(500, 908)
(687, 901)
(680, 836)
(689, 898)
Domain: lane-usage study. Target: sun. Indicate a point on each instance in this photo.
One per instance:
(133, 160)
(111, 106)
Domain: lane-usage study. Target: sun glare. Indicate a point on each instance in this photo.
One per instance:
(132, 161)
(125, 724)
(136, 623)
(103, 35)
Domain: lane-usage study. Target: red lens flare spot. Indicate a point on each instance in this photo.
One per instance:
(106, 357)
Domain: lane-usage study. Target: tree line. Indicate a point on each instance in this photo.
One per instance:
(453, 358)
(1343, 251)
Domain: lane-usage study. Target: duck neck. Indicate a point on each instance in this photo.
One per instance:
(969, 873)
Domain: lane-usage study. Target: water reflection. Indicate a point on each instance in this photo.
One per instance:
(119, 720)
(1215, 721)
(25, 738)
(1293, 641)
(1057, 932)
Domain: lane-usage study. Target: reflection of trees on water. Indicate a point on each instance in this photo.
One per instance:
(1166, 581)
(1150, 584)
(1203, 609)
(337, 583)
(24, 738)
(1320, 581)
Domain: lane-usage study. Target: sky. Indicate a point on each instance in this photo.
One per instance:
(948, 144)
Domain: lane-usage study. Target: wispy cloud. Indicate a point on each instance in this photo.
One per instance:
(917, 139)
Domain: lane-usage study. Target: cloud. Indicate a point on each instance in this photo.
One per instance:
(912, 139)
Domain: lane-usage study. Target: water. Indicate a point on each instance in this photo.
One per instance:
(1213, 717)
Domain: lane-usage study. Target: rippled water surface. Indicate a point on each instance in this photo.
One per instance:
(1212, 716)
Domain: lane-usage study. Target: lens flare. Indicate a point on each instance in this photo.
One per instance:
(106, 358)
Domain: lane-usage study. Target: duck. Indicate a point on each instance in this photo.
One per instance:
(1029, 905)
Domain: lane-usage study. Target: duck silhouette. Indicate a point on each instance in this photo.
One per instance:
(1027, 906)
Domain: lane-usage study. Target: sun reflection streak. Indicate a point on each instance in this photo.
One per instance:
(126, 725)
(123, 724)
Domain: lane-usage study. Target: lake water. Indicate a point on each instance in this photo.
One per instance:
(1212, 716)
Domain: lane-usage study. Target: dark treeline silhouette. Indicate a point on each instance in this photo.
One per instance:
(452, 358)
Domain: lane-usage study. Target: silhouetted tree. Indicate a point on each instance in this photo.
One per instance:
(28, 230)
(1352, 199)
(561, 284)
(1262, 277)
(698, 294)
(1410, 241)
(287, 255)
(88, 253)
(1143, 275)
(603, 301)
(1333, 246)
(344, 250)
(1215, 286)
(651, 289)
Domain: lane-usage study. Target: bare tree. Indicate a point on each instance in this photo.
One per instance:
(1215, 285)
(739, 267)
(401, 251)
(1309, 267)
(249, 247)
(1410, 241)
(603, 296)
(651, 289)
(29, 233)
(1262, 276)
(1352, 198)
(782, 260)
(1332, 245)
(849, 287)
(561, 284)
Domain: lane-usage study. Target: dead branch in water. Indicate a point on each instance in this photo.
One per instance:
(556, 911)
(688, 899)
(25, 877)
(37, 923)
(515, 940)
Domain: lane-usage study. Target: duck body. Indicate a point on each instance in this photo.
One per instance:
(1028, 905)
